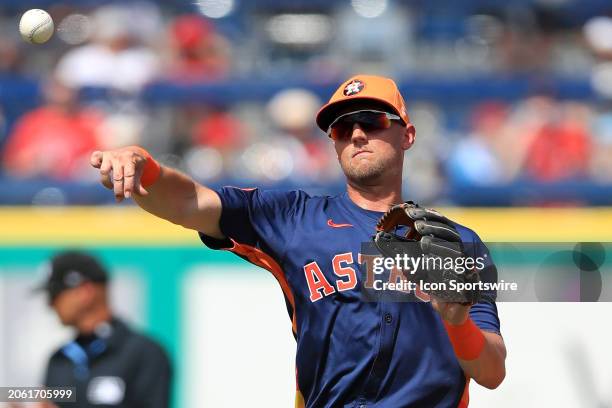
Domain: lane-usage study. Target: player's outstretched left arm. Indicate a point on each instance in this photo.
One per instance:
(481, 354)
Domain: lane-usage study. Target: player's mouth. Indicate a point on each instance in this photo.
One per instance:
(359, 152)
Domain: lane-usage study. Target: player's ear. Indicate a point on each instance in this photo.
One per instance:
(409, 136)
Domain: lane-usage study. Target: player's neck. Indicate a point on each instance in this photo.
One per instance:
(377, 197)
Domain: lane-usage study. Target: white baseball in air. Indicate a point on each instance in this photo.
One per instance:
(36, 26)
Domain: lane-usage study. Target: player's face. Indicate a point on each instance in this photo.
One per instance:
(368, 150)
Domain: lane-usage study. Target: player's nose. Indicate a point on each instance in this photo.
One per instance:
(358, 135)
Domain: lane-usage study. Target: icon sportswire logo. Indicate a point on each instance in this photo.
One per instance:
(334, 225)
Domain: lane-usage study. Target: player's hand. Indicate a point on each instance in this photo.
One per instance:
(120, 171)
(453, 312)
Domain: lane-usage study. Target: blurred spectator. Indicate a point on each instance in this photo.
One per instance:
(423, 174)
(2, 127)
(10, 56)
(526, 26)
(297, 141)
(219, 129)
(601, 164)
(598, 35)
(477, 159)
(116, 57)
(368, 33)
(561, 147)
(216, 136)
(597, 32)
(54, 140)
(16, 88)
(197, 52)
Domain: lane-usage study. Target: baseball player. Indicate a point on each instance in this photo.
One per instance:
(350, 353)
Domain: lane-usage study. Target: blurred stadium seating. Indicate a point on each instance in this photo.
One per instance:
(512, 101)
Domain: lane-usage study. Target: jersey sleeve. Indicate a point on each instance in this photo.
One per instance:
(262, 219)
(483, 313)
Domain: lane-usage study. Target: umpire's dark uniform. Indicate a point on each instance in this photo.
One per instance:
(115, 367)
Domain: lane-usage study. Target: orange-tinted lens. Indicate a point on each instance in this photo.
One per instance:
(368, 122)
(375, 122)
(341, 130)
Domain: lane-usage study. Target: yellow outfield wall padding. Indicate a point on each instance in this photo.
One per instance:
(89, 225)
(536, 224)
(133, 226)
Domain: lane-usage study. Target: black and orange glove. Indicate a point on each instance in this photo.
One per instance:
(407, 229)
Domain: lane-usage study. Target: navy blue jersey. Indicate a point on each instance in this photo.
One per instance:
(350, 353)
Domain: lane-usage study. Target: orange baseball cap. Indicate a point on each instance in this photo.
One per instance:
(372, 87)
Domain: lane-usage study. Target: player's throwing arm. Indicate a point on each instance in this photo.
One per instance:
(165, 192)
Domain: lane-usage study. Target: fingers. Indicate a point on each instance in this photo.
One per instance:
(132, 174)
(106, 166)
(129, 179)
(120, 171)
(139, 189)
(118, 181)
(105, 172)
(106, 181)
(96, 159)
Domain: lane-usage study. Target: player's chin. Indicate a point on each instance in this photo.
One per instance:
(362, 161)
(364, 174)
(357, 166)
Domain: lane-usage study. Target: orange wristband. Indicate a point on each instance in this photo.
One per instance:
(152, 169)
(466, 338)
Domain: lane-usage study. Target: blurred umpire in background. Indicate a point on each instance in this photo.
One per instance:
(109, 364)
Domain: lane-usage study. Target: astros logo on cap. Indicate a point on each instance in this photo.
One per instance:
(379, 89)
(353, 87)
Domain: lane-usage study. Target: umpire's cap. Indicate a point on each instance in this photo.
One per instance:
(363, 87)
(69, 269)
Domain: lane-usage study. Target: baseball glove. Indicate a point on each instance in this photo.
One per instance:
(407, 229)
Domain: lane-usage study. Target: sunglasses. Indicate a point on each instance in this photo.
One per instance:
(368, 120)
